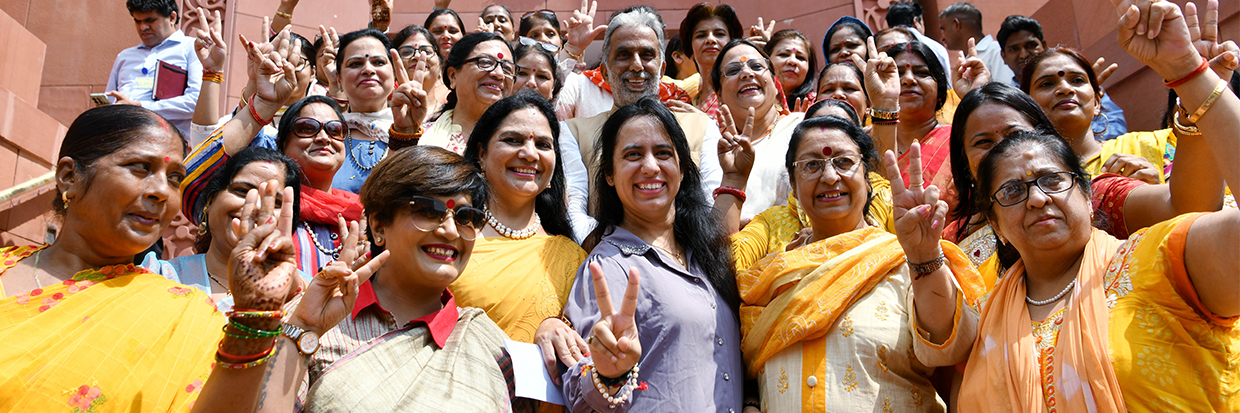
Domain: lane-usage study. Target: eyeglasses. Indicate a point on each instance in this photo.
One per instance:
(408, 52)
(1013, 193)
(488, 63)
(301, 66)
(812, 168)
(550, 15)
(546, 46)
(309, 127)
(429, 214)
(733, 69)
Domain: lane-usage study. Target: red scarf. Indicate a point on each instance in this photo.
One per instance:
(323, 207)
(667, 91)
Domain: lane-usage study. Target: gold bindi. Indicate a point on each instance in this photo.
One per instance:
(744, 59)
(1028, 173)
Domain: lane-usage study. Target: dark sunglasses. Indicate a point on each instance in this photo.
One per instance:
(305, 127)
(430, 213)
(528, 41)
(550, 15)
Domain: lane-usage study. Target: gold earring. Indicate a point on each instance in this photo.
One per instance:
(202, 228)
(64, 199)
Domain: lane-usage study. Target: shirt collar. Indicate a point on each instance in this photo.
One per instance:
(174, 38)
(440, 323)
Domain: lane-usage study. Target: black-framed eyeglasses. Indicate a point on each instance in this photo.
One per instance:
(488, 64)
(733, 69)
(302, 66)
(429, 214)
(305, 127)
(529, 41)
(812, 168)
(408, 52)
(1015, 192)
(548, 14)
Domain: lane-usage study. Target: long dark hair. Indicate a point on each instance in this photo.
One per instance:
(810, 84)
(103, 130)
(549, 205)
(994, 92)
(698, 228)
(411, 30)
(932, 62)
(865, 146)
(294, 111)
(457, 57)
(223, 177)
(703, 11)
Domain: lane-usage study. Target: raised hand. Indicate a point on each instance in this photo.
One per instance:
(882, 80)
(736, 153)
(210, 45)
(682, 107)
(263, 267)
(1157, 35)
(275, 77)
(802, 105)
(408, 101)
(330, 296)
(579, 30)
(761, 33)
(1102, 72)
(919, 213)
(483, 26)
(1224, 57)
(971, 73)
(330, 41)
(613, 340)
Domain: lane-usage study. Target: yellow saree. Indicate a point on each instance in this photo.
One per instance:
(116, 338)
(519, 283)
(1154, 146)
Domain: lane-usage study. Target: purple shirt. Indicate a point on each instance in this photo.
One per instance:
(691, 342)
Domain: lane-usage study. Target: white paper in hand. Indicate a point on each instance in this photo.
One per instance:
(530, 374)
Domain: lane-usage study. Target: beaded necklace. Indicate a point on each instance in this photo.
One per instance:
(333, 252)
(512, 233)
(348, 142)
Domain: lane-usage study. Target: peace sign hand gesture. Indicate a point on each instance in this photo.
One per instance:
(261, 267)
(408, 101)
(736, 153)
(210, 45)
(579, 30)
(882, 80)
(332, 293)
(275, 78)
(613, 341)
(919, 213)
(1224, 57)
(330, 41)
(971, 73)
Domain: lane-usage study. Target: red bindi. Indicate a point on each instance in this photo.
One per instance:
(500, 54)
(166, 158)
(451, 203)
(827, 151)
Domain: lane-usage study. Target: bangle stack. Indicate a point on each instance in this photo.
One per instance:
(884, 117)
(393, 134)
(254, 112)
(736, 192)
(576, 57)
(920, 270)
(622, 395)
(237, 330)
(212, 76)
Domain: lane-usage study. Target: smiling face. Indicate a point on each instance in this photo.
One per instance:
(709, 36)
(477, 88)
(634, 64)
(986, 127)
(791, 62)
(419, 41)
(431, 259)
(520, 159)
(645, 171)
(227, 204)
(543, 31)
(844, 43)
(153, 28)
(131, 196)
(321, 156)
(366, 72)
(446, 32)
(746, 89)
(834, 202)
(1042, 223)
(1021, 46)
(841, 83)
(918, 90)
(1061, 87)
(534, 73)
(496, 16)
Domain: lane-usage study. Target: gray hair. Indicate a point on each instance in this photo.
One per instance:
(632, 16)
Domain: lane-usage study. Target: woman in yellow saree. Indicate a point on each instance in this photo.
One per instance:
(835, 320)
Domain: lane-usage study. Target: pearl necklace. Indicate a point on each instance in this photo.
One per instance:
(333, 252)
(512, 233)
(1052, 299)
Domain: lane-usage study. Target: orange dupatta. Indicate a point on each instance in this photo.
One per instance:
(797, 295)
(1003, 364)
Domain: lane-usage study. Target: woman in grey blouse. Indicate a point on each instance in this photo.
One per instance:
(687, 352)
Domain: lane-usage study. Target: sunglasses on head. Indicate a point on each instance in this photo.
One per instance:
(306, 127)
(528, 41)
(429, 214)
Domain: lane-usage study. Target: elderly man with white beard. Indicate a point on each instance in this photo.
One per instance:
(633, 63)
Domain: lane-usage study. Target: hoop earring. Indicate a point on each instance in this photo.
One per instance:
(1106, 125)
(64, 199)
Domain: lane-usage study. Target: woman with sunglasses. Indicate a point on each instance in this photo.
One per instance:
(852, 316)
(536, 69)
(479, 70)
(542, 26)
(412, 43)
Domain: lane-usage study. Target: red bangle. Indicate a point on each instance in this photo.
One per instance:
(254, 112)
(243, 359)
(739, 194)
(1205, 64)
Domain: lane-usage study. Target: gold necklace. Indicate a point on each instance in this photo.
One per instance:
(675, 256)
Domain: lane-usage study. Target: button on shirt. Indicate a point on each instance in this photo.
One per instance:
(133, 74)
(679, 315)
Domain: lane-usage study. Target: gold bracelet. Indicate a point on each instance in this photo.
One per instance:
(284, 15)
(1201, 110)
(244, 102)
(216, 77)
(1183, 129)
(576, 57)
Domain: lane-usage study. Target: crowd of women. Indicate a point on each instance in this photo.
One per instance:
(862, 249)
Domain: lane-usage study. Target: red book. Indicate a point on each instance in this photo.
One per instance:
(170, 81)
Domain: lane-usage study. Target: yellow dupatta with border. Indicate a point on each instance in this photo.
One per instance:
(116, 338)
(797, 295)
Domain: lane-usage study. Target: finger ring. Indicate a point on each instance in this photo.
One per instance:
(574, 348)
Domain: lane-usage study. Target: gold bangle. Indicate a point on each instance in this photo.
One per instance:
(576, 57)
(244, 102)
(879, 114)
(1183, 129)
(216, 77)
(284, 15)
(1201, 110)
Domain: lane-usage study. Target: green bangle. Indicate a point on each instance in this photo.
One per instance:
(253, 331)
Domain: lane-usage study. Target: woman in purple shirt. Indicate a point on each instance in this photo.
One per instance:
(678, 347)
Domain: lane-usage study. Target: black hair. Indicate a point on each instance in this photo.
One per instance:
(903, 13)
(846, 22)
(966, 12)
(527, 22)
(353, 36)
(698, 227)
(810, 84)
(1026, 75)
(822, 104)
(460, 25)
(669, 63)
(457, 57)
(294, 110)
(1173, 99)
(999, 93)
(703, 11)
(857, 71)
(308, 49)
(557, 80)
(549, 205)
(221, 179)
(932, 62)
(1016, 23)
(715, 71)
(410, 30)
(865, 146)
(163, 7)
(103, 130)
(502, 7)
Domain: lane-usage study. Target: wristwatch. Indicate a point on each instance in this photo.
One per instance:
(307, 341)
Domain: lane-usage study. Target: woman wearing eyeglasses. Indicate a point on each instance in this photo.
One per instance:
(413, 42)
(854, 317)
(479, 70)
